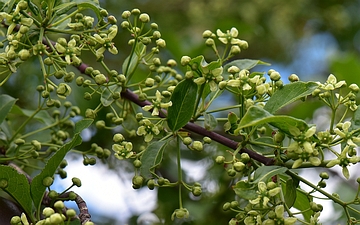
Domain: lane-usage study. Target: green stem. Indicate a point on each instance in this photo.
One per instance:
(65, 18)
(180, 180)
(198, 99)
(129, 62)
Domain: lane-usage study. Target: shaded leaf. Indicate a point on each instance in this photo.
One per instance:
(130, 63)
(264, 173)
(245, 190)
(246, 64)
(256, 116)
(355, 120)
(42, 116)
(107, 94)
(6, 104)
(37, 188)
(262, 149)
(302, 203)
(183, 104)
(17, 186)
(152, 157)
(289, 188)
(210, 121)
(289, 93)
(93, 5)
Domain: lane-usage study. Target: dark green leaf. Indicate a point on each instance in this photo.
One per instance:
(262, 149)
(183, 104)
(355, 120)
(288, 94)
(42, 116)
(92, 5)
(6, 104)
(107, 95)
(152, 157)
(256, 116)
(210, 121)
(246, 64)
(37, 188)
(64, 8)
(17, 186)
(246, 190)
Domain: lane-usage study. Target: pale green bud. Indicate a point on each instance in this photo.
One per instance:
(144, 17)
(100, 79)
(185, 60)
(197, 145)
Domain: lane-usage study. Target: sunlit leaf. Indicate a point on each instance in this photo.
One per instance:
(182, 109)
(257, 116)
(289, 93)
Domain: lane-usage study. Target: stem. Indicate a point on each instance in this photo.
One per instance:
(180, 181)
(198, 99)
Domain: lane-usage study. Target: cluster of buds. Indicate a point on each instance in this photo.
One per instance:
(236, 165)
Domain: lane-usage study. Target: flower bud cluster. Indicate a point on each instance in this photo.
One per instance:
(237, 165)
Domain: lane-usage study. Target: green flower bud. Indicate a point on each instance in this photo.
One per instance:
(15, 220)
(197, 145)
(234, 204)
(210, 42)
(19, 141)
(100, 79)
(180, 214)
(151, 184)
(185, 60)
(187, 140)
(239, 166)
(100, 124)
(126, 14)
(135, 12)
(149, 82)
(226, 206)
(243, 44)
(161, 43)
(117, 138)
(59, 205)
(231, 172)
(24, 54)
(322, 184)
(36, 144)
(89, 113)
(48, 181)
(53, 194)
(354, 88)
(137, 181)
(233, 69)
(144, 17)
(293, 78)
(137, 163)
(124, 24)
(235, 49)
(207, 34)
(196, 191)
(76, 181)
(56, 218)
(47, 211)
(63, 90)
(279, 137)
(207, 140)
(70, 213)
(220, 159)
(69, 77)
(275, 76)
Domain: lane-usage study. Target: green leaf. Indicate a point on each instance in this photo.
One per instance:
(6, 104)
(210, 121)
(288, 94)
(355, 120)
(129, 65)
(37, 188)
(152, 157)
(92, 5)
(245, 190)
(289, 188)
(257, 116)
(42, 116)
(246, 64)
(302, 203)
(107, 95)
(262, 149)
(183, 104)
(264, 173)
(17, 186)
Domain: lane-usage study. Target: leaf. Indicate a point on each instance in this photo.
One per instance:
(129, 65)
(355, 120)
(37, 188)
(183, 104)
(107, 95)
(264, 173)
(93, 5)
(262, 149)
(152, 157)
(288, 94)
(289, 189)
(302, 203)
(257, 116)
(210, 121)
(246, 64)
(245, 190)
(42, 116)
(6, 104)
(17, 186)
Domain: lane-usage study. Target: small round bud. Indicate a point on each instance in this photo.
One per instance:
(161, 43)
(322, 184)
(233, 69)
(137, 181)
(210, 42)
(126, 14)
(207, 34)
(24, 54)
(354, 88)
(100, 124)
(226, 206)
(185, 60)
(244, 157)
(48, 181)
(100, 79)
(275, 76)
(196, 190)
(76, 181)
(197, 145)
(293, 78)
(239, 166)
(135, 12)
(144, 17)
(235, 49)
(15, 220)
(207, 140)
(220, 159)
(70, 213)
(324, 175)
(234, 204)
(187, 140)
(279, 137)
(59, 205)
(151, 184)
(56, 218)
(47, 211)
(19, 141)
(231, 172)
(137, 163)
